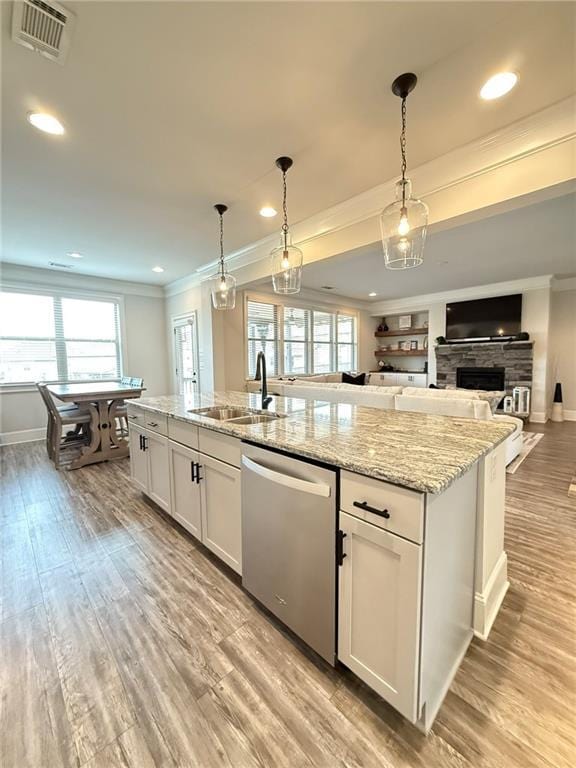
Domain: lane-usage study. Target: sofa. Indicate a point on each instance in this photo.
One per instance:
(463, 403)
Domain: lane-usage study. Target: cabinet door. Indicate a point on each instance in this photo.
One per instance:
(184, 490)
(156, 447)
(379, 612)
(138, 458)
(221, 510)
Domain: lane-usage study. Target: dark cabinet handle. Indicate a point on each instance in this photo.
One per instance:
(140, 437)
(144, 443)
(193, 470)
(198, 468)
(367, 508)
(340, 554)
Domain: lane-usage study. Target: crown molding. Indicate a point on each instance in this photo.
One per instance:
(514, 143)
(565, 284)
(11, 273)
(423, 302)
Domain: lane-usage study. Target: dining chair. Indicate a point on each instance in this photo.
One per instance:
(60, 417)
(121, 409)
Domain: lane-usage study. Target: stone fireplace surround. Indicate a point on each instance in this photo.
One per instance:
(514, 356)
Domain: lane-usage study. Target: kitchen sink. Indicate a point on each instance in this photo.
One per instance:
(256, 418)
(236, 415)
(221, 414)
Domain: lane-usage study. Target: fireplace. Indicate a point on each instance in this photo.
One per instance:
(481, 378)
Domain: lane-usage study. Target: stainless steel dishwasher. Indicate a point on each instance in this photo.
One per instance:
(289, 543)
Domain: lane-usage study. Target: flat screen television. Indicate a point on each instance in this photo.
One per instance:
(499, 316)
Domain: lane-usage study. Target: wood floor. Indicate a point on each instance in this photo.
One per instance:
(124, 644)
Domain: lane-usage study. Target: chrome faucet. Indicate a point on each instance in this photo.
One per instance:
(261, 374)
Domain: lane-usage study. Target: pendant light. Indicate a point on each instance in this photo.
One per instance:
(222, 284)
(286, 258)
(403, 222)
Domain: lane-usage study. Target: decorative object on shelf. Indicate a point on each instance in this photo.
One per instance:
(403, 223)
(381, 364)
(383, 328)
(414, 344)
(287, 259)
(222, 284)
(557, 406)
(440, 340)
(405, 322)
(425, 342)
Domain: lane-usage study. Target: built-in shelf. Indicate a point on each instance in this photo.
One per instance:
(401, 352)
(408, 332)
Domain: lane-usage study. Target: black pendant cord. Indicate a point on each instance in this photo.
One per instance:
(285, 210)
(222, 246)
(403, 151)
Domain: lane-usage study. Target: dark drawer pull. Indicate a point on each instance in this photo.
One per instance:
(367, 508)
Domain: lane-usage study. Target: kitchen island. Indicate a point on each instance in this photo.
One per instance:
(416, 528)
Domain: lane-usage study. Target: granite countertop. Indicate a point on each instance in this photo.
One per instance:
(420, 451)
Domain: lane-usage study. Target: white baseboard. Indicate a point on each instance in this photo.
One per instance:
(569, 415)
(538, 417)
(487, 603)
(23, 436)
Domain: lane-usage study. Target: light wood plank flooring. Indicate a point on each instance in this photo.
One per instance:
(124, 644)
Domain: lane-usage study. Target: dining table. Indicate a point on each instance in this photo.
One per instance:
(105, 402)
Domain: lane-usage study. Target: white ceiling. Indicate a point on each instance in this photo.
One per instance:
(173, 106)
(535, 240)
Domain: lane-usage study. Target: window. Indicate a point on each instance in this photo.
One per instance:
(58, 338)
(312, 340)
(262, 326)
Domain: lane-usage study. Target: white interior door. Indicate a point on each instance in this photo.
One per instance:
(185, 332)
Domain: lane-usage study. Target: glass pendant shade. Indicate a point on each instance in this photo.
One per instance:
(223, 290)
(287, 262)
(403, 227)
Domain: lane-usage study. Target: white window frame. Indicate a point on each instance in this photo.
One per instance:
(57, 293)
(281, 304)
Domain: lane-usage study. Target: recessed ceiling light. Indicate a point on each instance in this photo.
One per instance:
(75, 255)
(372, 293)
(498, 85)
(157, 269)
(45, 122)
(268, 212)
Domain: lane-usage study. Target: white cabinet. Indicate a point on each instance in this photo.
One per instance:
(156, 447)
(138, 458)
(403, 379)
(379, 611)
(185, 487)
(221, 510)
(149, 464)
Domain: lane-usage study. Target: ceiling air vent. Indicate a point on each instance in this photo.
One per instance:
(43, 27)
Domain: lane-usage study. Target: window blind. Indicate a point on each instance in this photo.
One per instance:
(262, 336)
(58, 338)
(310, 341)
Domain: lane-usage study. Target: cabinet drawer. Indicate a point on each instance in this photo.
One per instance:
(181, 432)
(155, 422)
(405, 508)
(223, 447)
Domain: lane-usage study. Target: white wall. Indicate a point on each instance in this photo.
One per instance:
(563, 347)
(144, 337)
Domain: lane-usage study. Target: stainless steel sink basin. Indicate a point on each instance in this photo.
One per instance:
(256, 418)
(221, 414)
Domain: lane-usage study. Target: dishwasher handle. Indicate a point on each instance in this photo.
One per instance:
(318, 489)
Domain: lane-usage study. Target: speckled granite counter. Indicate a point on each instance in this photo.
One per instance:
(416, 450)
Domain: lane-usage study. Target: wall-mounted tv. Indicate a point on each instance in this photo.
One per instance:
(499, 316)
